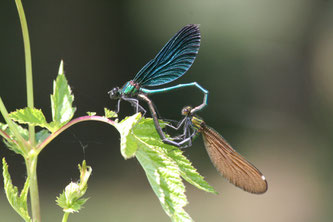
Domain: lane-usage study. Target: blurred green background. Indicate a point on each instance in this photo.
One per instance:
(267, 64)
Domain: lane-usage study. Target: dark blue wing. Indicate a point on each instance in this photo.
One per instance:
(175, 58)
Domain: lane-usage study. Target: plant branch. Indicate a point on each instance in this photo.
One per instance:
(19, 139)
(41, 146)
(31, 164)
(28, 64)
(65, 217)
(6, 136)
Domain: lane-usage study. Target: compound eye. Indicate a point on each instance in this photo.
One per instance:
(114, 93)
(186, 110)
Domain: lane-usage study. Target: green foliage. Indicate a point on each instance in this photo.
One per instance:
(31, 116)
(18, 202)
(164, 165)
(91, 113)
(128, 144)
(110, 114)
(71, 199)
(62, 110)
(10, 143)
(164, 178)
(61, 101)
(189, 173)
(41, 136)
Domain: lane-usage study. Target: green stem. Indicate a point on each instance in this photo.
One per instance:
(28, 64)
(41, 146)
(65, 217)
(18, 138)
(31, 164)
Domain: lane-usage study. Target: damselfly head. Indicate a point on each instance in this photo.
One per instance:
(114, 93)
(186, 110)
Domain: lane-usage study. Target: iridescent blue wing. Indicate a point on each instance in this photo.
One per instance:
(175, 58)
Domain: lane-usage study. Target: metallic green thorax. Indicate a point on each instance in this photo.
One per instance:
(130, 89)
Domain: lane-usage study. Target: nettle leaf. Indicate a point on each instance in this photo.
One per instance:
(163, 164)
(164, 178)
(61, 101)
(23, 131)
(10, 144)
(146, 131)
(18, 202)
(128, 144)
(189, 173)
(31, 116)
(71, 199)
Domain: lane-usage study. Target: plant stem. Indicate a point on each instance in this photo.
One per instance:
(41, 146)
(31, 164)
(65, 217)
(19, 139)
(28, 64)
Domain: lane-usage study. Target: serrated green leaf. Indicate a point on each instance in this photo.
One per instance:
(128, 144)
(146, 131)
(10, 144)
(71, 199)
(18, 202)
(109, 113)
(164, 178)
(23, 131)
(189, 173)
(61, 101)
(164, 166)
(31, 116)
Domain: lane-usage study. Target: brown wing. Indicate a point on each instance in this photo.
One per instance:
(231, 164)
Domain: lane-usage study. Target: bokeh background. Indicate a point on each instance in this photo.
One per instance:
(267, 64)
